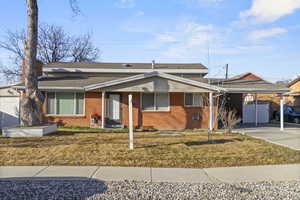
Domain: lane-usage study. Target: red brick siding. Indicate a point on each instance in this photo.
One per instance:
(179, 117)
(92, 106)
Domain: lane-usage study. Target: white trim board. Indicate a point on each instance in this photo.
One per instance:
(126, 70)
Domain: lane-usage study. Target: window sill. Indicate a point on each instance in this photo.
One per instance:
(65, 115)
(156, 111)
(193, 106)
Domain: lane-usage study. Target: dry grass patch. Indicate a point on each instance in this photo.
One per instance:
(111, 149)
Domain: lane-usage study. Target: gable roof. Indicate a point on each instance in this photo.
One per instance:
(294, 81)
(154, 74)
(88, 83)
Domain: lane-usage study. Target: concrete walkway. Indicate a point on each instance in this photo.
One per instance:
(290, 137)
(209, 175)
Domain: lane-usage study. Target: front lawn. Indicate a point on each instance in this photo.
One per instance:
(68, 147)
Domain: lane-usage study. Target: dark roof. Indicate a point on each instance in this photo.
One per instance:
(102, 65)
(248, 84)
(294, 81)
(232, 85)
(71, 81)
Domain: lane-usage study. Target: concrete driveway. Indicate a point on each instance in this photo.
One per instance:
(290, 137)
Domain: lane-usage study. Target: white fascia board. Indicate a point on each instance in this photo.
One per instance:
(152, 74)
(256, 90)
(54, 88)
(126, 70)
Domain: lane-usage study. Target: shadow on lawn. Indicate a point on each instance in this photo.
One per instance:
(194, 143)
(50, 188)
(219, 141)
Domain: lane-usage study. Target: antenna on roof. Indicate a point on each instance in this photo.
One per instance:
(153, 64)
(226, 73)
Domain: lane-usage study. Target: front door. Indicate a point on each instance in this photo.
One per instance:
(114, 109)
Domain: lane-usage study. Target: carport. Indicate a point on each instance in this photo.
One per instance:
(240, 87)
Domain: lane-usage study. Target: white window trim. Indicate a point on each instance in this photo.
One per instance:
(154, 110)
(65, 115)
(193, 106)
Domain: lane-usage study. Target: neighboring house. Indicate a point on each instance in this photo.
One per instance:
(164, 96)
(294, 95)
(9, 106)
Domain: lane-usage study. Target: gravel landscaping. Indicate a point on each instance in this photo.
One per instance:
(94, 189)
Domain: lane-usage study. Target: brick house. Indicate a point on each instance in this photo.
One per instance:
(146, 95)
(294, 95)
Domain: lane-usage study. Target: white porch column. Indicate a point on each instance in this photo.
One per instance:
(281, 113)
(130, 121)
(256, 111)
(211, 112)
(103, 110)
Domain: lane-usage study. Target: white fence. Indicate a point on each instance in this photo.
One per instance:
(249, 113)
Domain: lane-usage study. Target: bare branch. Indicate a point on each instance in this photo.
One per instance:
(54, 45)
(74, 7)
(83, 50)
(14, 43)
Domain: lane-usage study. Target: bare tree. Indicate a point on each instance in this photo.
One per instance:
(31, 98)
(54, 45)
(229, 118)
(82, 49)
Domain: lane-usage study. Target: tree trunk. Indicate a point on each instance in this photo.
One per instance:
(31, 98)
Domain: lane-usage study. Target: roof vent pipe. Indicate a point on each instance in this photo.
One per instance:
(153, 64)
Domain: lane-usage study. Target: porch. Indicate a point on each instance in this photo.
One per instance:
(155, 110)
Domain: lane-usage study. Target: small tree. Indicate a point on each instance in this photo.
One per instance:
(229, 119)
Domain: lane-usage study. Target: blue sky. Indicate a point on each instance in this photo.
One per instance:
(261, 36)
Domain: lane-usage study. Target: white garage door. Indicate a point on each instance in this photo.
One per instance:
(262, 113)
(9, 111)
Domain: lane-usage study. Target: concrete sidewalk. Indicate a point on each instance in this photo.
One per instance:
(209, 175)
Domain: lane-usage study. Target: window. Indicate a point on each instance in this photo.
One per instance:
(65, 103)
(155, 101)
(193, 100)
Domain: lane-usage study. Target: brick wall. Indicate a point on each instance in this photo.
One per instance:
(92, 106)
(179, 117)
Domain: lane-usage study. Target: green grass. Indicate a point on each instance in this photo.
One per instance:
(68, 147)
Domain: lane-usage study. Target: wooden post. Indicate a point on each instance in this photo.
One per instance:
(281, 113)
(130, 121)
(211, 112)
(103, 110)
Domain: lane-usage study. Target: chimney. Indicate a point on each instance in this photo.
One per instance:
(39, 69)
(153, 64)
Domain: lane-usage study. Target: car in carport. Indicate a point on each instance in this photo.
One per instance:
(290, 115)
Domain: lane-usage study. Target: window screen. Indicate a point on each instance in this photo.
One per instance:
(79, 103)
(193, 99)
(65, 103)
(162, 101)
(155, 101)
(51, 103)
(188, 99)
(148, 101)
(198, 101)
